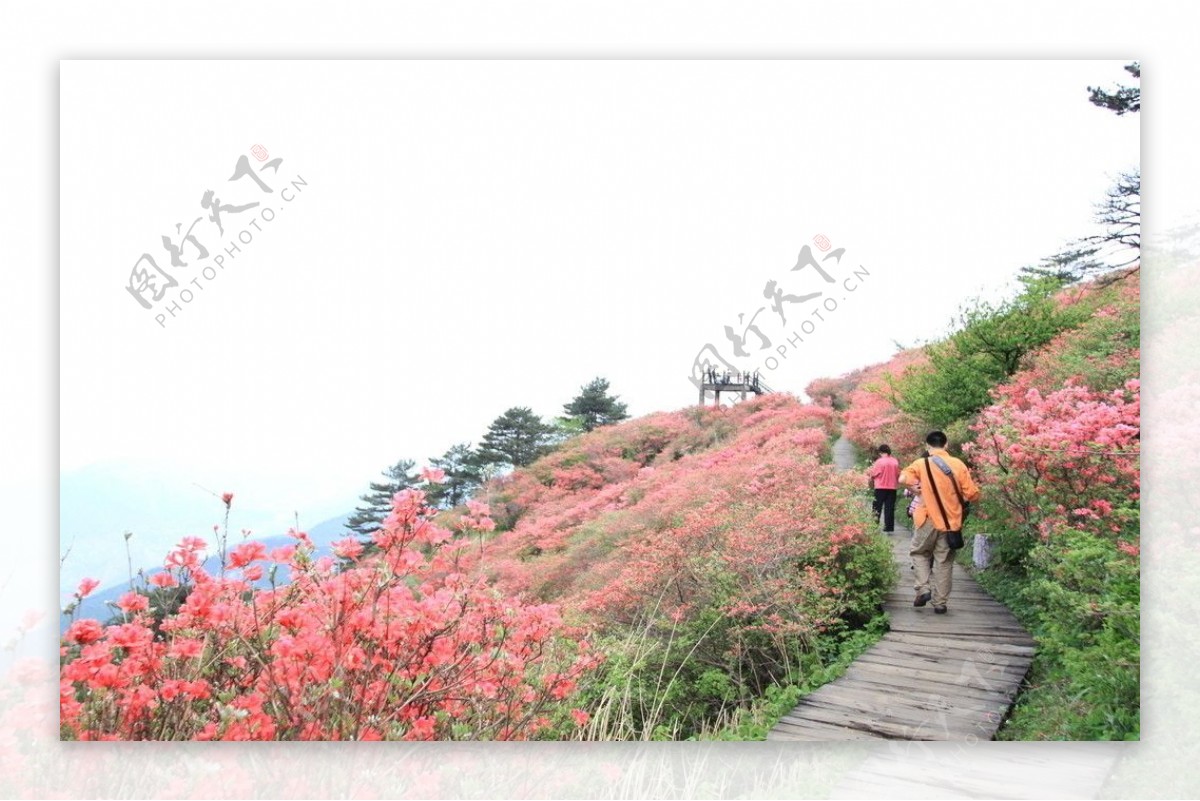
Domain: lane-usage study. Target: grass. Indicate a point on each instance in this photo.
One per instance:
(1060, 700)
(755, 721)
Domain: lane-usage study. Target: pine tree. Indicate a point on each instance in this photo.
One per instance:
(517, 437)
(1120, 212)
(1126, 100)
(377, 503)
(463, 477)
(594, 407)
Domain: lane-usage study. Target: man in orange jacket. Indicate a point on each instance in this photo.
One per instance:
(939, 472)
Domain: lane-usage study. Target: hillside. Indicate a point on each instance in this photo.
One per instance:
(661, 578)
(1053, 437)
(713, 544)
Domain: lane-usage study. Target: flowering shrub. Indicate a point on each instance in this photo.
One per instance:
(721, 554)
(1057, 454)
(871, 418)
(1063, 459)
(713, 538)
(1101, 353)
(400, 645)
(1045, 401)
(834, 392)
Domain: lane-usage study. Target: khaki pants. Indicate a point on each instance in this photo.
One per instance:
(930, 553)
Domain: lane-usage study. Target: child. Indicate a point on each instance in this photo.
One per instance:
(915, 493)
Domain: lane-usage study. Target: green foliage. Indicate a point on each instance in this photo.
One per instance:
(377, 503)
(863, 577)
(566, 428)
(987, 348)
(463, 477)
(165, 602)
(706, 677)
(594, 407)
(1067, 266)
(818, 667)
(1126, 100)
(518, 438)
(1102, 353)
(1080, 598)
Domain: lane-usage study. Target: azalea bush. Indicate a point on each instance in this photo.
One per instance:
(1063, 459)
(646, 580)
(713, 565)
(834, 392)
(399, 645)
(871, 416)
(1057, 453)
(1043, 395)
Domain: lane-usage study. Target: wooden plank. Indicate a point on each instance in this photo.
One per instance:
(981, 721)
(936, 647)
(895, 727)
(930, 677)
(973, 633)
(925, 724)
(890, 714)
(997, 647)
(972, 684)
(950, 670)
(913, 665)
(818, 730)
(811, 730)
(861, 691)
(976, 690)
(926, 686)
(992, 775)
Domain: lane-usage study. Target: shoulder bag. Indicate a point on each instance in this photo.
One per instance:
(953, 538)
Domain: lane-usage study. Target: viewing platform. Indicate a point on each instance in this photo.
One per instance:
(718, 381)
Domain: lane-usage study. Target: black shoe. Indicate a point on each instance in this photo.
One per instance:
(941, 610)
(923, 599)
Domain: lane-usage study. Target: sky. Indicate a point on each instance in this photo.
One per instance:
(189, 132)
(446, 239)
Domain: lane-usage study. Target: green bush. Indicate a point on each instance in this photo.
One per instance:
(988, 346)
(1079, 597)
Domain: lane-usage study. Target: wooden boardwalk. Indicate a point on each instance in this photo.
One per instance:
(931, 677)
(993, 770)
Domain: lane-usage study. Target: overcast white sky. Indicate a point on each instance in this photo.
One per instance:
(476, 235)
(175, 143)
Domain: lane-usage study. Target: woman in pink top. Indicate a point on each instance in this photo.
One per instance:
(884, 475)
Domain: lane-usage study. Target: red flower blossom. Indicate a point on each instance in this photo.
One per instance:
(84, 631)
(246, 553)
(133, 602)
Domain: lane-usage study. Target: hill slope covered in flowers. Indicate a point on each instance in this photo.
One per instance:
(1055, 447)
(654, 579)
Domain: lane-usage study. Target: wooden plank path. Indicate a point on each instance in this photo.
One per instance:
(993, 770)
(931, 677)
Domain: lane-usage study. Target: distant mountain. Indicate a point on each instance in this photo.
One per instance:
(160, 504)
(97, 605)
